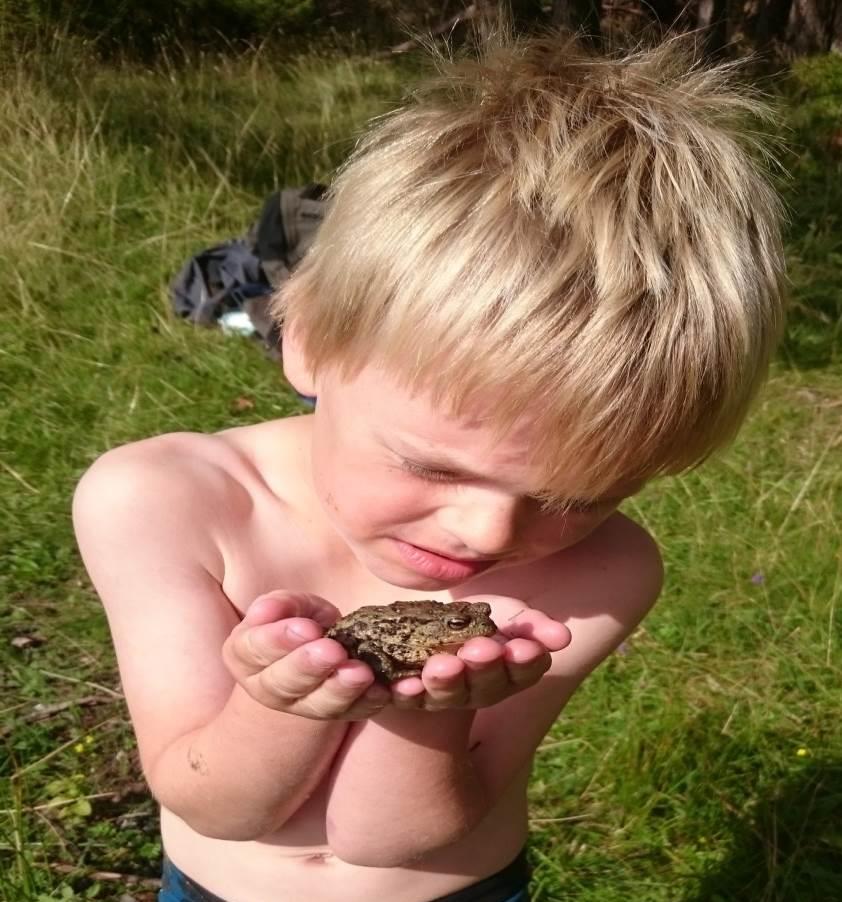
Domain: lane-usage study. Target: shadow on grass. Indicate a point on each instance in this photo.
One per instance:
(220, 131)
(813, 197)
(813, 238)
(254, 121)
(789, 849)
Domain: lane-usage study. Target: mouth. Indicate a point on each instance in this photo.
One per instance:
(440, 566)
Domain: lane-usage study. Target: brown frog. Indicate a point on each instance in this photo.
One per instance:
(396, 639)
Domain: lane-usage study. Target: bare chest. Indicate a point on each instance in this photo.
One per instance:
(269, 545)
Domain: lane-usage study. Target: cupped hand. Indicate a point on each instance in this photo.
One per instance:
(279, 655)
(485, 671)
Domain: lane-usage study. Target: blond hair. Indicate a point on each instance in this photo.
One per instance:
(589, 240)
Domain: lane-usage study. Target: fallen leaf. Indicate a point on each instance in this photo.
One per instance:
(32, 640)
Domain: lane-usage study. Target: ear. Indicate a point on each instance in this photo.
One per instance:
(296, 367)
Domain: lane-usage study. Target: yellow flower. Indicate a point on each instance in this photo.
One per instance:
(79, 748)
(802, 752)
(89, 740)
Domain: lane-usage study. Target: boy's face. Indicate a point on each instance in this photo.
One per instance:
(426, 500)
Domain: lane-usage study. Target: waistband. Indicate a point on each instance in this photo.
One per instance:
(499, 887)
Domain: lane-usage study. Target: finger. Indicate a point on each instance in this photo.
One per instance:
(443, 677)
(486, 673)
(526, 662)
(298, 674)
(252, 648)
(348, 694)
(481, 651)
(530, 623)
(408, 693)
(515, 618)
(280, 604)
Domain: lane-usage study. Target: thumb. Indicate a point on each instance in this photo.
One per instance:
(280, 604)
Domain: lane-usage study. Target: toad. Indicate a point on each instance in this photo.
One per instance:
(396, 639)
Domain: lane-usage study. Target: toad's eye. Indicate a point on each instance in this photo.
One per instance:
(458, 623)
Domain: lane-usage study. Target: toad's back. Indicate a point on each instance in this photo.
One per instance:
(396, 639)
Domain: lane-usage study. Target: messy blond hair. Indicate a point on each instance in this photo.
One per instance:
(587, 239)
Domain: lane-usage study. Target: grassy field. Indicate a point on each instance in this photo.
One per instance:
(700, 764)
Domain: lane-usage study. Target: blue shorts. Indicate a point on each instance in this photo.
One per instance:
(508, 885)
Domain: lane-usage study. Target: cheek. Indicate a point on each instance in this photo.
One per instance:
(563, 531)
(364, 500)
(578, 526)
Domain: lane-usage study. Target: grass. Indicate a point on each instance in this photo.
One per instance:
(699, 764)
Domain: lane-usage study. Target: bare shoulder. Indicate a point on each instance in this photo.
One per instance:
(601, 589)
(617, 569)
(165, 479)
(146, 517)
(187, 459)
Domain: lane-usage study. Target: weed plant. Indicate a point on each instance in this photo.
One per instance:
(701, 763)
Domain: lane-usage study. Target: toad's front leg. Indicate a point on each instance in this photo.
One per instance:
(384, 666)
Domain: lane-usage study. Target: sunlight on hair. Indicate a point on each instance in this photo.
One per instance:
(586, 240)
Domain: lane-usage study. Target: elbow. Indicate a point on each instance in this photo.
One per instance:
(227, 828)
(368, 855)
(205, 824)
(227, 832)
(208, 813)
(213, 829)
(216, 822)
(391, 849)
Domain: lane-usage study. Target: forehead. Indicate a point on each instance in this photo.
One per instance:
(414, 418)
(411, 422)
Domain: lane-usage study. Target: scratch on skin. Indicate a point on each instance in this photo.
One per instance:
(197, 762)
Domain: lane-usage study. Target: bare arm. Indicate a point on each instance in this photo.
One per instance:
(435, 775)
(230, 766)
(417, 767)
(246, 772)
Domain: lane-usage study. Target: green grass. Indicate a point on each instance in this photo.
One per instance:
(701, 763)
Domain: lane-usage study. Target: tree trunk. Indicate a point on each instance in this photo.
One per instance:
(712, 23)
(836, 35)
(766, 22)
(811, 26)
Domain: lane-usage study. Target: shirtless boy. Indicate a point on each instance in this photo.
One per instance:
(545, 281)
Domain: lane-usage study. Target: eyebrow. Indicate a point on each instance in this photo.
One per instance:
(432, 462)
(447, 466)
(438, 460)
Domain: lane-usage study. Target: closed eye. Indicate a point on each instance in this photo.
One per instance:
(547, 505)
(429, 473)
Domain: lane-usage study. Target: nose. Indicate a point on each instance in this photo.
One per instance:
(484, 522)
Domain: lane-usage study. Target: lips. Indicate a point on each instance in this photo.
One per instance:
(439, 566)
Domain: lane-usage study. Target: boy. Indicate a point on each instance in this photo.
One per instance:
(548, 279)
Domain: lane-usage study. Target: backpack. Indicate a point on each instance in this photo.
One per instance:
(238, 277)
